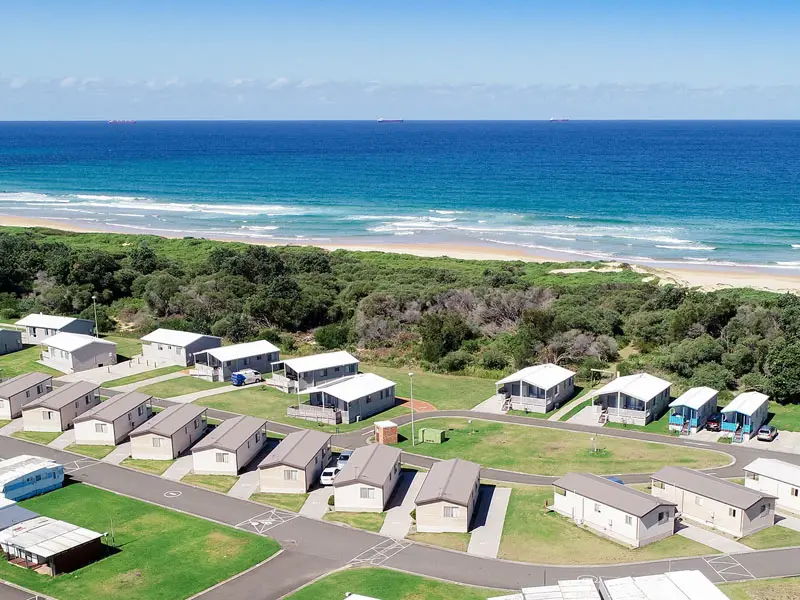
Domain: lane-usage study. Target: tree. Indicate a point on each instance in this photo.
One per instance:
(441, 333)
(783, 372)
(158, 292)
(713, 375)
(332, 336)
(143, 259)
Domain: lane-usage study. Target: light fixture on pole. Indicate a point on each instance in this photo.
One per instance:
(411, 395)
(94, 303)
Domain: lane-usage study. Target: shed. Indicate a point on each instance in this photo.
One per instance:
(635, 399)
(691, 410)
(296, 463)
(776, 478)
(309, 371)
(10, 341)
(39, 327)
(169, 433)
(714, 502)
(230, 446)
(385, 432)
(745, 415)
(57, 410)
(448, 496)
(367, 481)
(110, 422)
(20, 390)
(25, 476)
(50, 546)
(217, 364)
(169, 346)
(539, 388)
(75, 352)
(619, 512)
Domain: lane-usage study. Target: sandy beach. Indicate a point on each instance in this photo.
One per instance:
(706, 278)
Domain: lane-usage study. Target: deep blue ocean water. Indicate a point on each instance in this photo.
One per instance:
(696, 192)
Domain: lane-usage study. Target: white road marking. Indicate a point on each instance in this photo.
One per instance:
(263, 522)
(172, 494)
(729, 568)
(381, 552)
(77, 465)
(698, 444)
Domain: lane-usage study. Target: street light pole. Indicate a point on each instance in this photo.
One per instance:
(411, 394)
(94, 303)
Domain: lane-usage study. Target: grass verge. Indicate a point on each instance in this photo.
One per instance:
(216, 483)
(546, 451)
(143, 376)
(454, 541)
(291, 502)
(770, 589)
(38, 437)
(180, 386)
(387, 585)
(533, 534)
(155, 467)
(24, 361)
(772, 537)
(365, 520)
(162, 555)
(97, 452)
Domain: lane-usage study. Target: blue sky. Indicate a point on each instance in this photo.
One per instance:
(347, 59)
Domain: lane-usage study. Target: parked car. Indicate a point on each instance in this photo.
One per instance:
(343, 458)
(246, 376)
(767, 433)
(328, 475)
(714, 422)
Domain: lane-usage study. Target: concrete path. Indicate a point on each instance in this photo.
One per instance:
(488, 521)
(179, 469)
(12, 427)
(118, 454)
(102, 374)
(566, 408)
(317, 503)
(586, 417)
(711, 539)
(398, 517)
(493, 405)
(64, 440)
(186, 398)
(245, 486)
(129, 387)
(788, 522)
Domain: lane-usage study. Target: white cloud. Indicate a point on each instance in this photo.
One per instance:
(68, 82)
(17, 83)
(276, 84)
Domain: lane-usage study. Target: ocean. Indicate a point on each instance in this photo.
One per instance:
(713, 193)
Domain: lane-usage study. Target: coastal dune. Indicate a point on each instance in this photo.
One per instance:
(706, 278)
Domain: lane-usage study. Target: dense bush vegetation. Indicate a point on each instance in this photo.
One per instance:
(473, 316)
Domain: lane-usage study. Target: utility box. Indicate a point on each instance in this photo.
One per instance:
(385, 432)
(431, 436)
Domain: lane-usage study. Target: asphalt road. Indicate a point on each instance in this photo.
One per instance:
(314, 547)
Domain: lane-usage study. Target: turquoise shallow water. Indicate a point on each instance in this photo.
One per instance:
(715, 193)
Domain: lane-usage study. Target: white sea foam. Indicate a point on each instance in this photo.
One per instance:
(788, 263)
(260, 227)
(559, 237)
(129, 215)
(697, 247)
(447, 212)
(105, 197)
(795, 246)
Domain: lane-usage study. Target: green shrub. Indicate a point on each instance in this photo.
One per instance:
(455, 361)
(330, 500)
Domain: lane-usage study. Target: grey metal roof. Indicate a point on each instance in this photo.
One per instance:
(63, 396)
(451, 481)
(170, 420)
(369, 464)
(23, 382)
(13, 513)
(610, 493)
(113, 408)
(711, 487)
(231, 434)
(297, 449)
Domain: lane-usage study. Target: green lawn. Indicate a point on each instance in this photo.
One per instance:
(553, 452)
(454, 541)
(658, 426)
(38, 437)
(217, 483)
(772, 537)
(785, 416)
(388, 585)
(4, 422)
(127, 347)
(143, 376)
(163, 555)
(24, 361)
(364, 520)
(97, 452)
(292, 502)
(156, 467)
(532, 534)
(443, 391)
(770, 589)
(180, 386)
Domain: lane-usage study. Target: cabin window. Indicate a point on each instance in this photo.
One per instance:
(596, 507)
(77, 404)
(259, 357)
(87, 400)
(698, 500)
(38, 389)
(764, 508)
(451, 512)
(100, 428)
(367, 493)
(658, 484)
(793, 492)
(560, 491)
(324, 372)
(661, 516)
(629, 519)
(749, 475)
(140, 410)
(186, 430)
(156, 442)
(196, 425)
(27, 393)
(289, 475)
(246, 361)
(258, 438)
(248, 443)
(222, 457)
(47, 415)
(368, 399)
(336, 369)
(160, 347)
